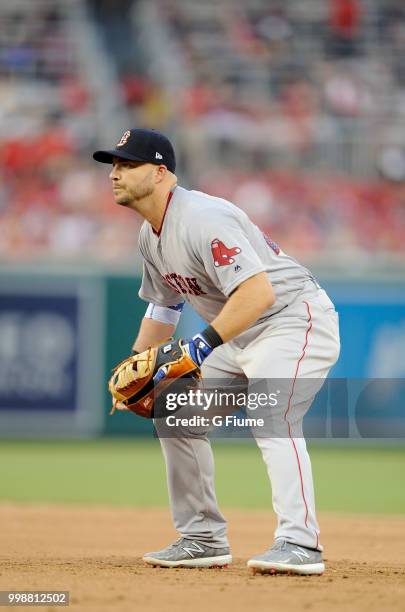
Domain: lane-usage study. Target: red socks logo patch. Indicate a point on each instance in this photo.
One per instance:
(223, 256)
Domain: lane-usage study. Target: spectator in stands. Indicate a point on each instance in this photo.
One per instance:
(344, 27)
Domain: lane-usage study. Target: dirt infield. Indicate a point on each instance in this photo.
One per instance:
(95, 554)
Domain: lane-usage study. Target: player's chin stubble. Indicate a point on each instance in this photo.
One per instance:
(125, 197)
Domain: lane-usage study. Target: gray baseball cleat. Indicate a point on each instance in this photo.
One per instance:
(285, 557)
(189, 553)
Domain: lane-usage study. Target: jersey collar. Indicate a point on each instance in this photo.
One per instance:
(169, 197)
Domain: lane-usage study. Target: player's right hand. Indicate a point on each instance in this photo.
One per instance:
(197, 349)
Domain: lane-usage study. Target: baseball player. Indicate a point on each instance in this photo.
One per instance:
(267, 319)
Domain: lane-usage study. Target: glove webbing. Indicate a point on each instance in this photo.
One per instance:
(127, 376)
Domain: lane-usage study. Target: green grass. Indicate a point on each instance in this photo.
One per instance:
(131, 472)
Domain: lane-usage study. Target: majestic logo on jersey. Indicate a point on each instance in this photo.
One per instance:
(221, 254)
(124, 138)
(184, 284)
(272, 245)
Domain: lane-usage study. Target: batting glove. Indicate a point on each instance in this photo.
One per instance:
(198, 347)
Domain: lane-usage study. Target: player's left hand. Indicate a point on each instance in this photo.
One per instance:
(118, 406)
(138, 381)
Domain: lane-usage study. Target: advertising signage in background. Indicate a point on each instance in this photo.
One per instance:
(51, 354)
(39, 352)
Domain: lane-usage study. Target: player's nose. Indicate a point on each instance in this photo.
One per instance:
(114, 172)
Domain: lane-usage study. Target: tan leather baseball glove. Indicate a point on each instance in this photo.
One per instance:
(137, 381)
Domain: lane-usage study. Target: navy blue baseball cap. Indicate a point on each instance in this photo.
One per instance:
(142, 145)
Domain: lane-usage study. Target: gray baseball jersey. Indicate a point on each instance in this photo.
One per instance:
(206, 248)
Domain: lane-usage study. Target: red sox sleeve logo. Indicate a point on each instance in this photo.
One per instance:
(223, 256)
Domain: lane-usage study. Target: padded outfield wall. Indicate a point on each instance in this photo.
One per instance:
(62, 330)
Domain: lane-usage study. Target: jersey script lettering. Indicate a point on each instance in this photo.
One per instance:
(184, 284)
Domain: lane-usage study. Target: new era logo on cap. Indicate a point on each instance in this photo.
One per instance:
(158, 156)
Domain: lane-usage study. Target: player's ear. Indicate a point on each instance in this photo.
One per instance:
(160, 173)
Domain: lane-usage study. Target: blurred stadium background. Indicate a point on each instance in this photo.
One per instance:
(294, 110)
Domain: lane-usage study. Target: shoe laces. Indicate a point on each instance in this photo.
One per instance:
(279, 544)
(179, 542)
(176, 543)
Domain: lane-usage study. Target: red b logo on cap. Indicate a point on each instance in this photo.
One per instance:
(221, 254)
(124, 138)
